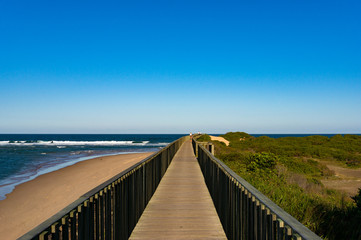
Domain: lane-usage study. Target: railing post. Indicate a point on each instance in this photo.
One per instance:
(80, 214)
(64, 227)
(55, 231)
(44, 235)
(87, 220)
(211, 148)
(280, 229)
(196, 149)
(72, 224)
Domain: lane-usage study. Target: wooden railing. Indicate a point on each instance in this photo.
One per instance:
(245, 212)
(111, 210)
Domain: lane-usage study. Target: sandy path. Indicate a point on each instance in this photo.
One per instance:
(221, 139)
(348, 180)
(33, 202)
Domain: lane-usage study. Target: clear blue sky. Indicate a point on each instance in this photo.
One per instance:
(180, 66)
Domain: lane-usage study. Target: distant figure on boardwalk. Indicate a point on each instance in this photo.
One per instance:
(191, 136)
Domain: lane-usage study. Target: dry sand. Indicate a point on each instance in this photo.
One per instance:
(347, 180)
(221, 139)
(33, 202)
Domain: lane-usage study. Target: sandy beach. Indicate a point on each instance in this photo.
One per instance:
(33, 202)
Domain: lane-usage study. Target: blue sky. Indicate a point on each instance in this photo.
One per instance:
(180, 66)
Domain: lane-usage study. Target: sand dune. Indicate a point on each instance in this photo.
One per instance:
(221, 139)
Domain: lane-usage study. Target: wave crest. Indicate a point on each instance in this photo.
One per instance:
(79, 143)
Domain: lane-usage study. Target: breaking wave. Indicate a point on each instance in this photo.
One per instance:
(80, 143)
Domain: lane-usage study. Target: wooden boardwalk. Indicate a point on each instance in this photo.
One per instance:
(181, 207)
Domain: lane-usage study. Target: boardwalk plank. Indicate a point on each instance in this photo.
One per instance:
(181, 207)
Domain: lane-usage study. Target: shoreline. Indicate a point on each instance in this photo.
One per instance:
(9, 185)
(34, 201)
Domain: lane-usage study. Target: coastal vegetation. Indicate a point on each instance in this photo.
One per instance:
(291, 170)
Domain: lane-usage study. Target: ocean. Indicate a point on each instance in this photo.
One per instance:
(299, 135)
(23, 157)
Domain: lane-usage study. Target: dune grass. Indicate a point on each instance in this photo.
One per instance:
(289, 171)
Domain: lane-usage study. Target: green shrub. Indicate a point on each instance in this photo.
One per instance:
(236, 136)
(268, 163)
(204, 138)
(357, 200)
(233, 156)
(261, 161)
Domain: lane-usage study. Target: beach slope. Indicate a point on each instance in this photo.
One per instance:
(33, 202)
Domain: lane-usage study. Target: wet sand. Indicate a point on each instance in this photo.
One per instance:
(33, 202)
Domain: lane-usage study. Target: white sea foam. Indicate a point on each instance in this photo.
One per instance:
(80, 143)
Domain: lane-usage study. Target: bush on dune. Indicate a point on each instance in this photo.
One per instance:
(289, 172)
(204, 138)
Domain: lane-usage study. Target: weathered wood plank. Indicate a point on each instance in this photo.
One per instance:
(181, 207)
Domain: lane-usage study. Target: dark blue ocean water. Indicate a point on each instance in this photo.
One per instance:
(295, 135)
(26, 156)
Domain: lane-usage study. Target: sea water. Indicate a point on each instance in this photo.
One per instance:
(26, 156)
